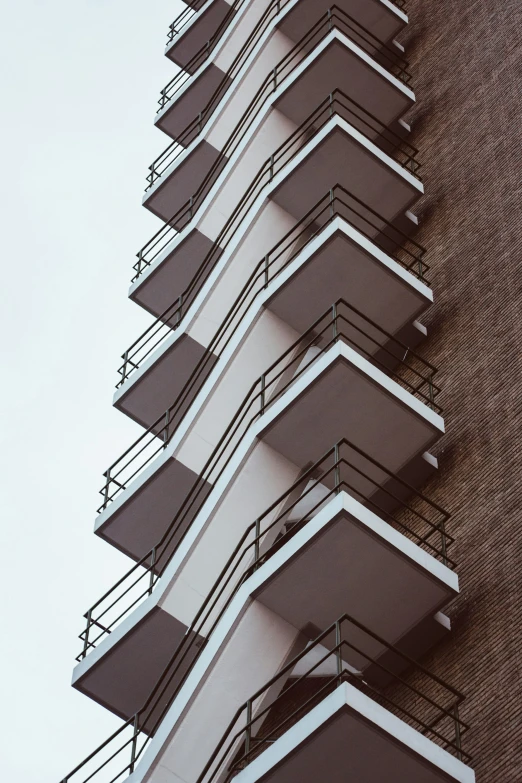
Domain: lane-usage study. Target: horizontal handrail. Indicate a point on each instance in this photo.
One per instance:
(335, 471)
(336, 104)
(340, 323)
(338, 203)
(334, 18)
(433, 703)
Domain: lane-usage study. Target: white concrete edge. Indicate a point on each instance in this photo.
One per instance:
(197, 307)
(267, 106)
(346, 696)
(338, 503)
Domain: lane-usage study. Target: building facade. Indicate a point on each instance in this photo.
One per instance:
(335, 263)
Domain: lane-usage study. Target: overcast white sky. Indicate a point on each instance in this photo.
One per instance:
(80, 80)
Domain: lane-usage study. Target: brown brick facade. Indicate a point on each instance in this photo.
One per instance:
(466, 58)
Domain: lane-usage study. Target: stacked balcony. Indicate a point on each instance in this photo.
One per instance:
(288, 571)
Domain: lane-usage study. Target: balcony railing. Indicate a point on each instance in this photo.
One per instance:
(338, 203)
(431, 708)
(340, 323)
(334, 18)
(340, 469)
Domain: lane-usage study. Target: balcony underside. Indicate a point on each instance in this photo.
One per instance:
(191, 99)
(351, 561)
(157, 290)
(333, 65)
(347, 737)
(191, 40)
(154, 387)
(340, 156)
(137, 525)
(343, 401)
(122, 678)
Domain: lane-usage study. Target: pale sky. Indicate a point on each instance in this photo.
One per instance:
(80, 81)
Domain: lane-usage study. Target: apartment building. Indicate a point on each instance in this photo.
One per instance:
(324, 580)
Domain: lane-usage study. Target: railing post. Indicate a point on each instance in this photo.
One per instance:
(191, 207)
(338, 652)
(152, 564)
(443, 543)
(166, 429)
(107, 475)
(256, 544)
(275, 79)
(329, 16)
(271, 168)
(200, 122)
(334, 322)
(87, 629)
(125, 357)
(337, 470)
(179, 310)
(332, 203)
(458, 738)
(140, 259)
(135, 731)
(262, 396)
(248, 730)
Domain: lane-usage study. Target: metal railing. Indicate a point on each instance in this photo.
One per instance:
(338, 203)
(336, 104)
(340, 323)
(341, 468)
(334, 18)
(431, 708)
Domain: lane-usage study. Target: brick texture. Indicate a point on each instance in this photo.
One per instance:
(466, 60)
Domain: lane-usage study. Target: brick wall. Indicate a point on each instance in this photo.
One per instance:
(466, 58)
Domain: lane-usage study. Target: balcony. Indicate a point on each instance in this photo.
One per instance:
(349, 699)
(193, 28)
(328, 716)
(344, 374)
(194, 160)
(388, 564)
